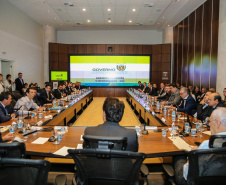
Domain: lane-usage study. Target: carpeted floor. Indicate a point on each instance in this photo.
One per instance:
(93, 115)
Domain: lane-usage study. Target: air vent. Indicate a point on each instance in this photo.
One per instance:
(139, 24)
(149, 5)
(68, 4)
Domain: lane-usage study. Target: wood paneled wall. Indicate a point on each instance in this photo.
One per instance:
(195, 47)
(161, 57)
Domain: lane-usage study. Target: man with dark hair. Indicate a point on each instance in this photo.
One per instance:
(20, 83)
(187, 104)
(162, 89)
(26, 103)
(145, 89)
(5, 100)
(113, 110)
(46, 96)
(57, 92)
(69, 88)
(152, 90)
(141, 86)
(203, 91)
(166, 95)
(64, 90)
(175, 98)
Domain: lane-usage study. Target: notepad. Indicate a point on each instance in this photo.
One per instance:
(55, 108)
(62, 151)
(180, 143)
(207, 133)
(40, 140)
(151, 128)
(81, 138)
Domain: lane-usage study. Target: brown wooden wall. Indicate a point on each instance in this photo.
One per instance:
(161, 56)
(195, 47)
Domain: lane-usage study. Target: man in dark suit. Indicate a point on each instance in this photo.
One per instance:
(69, 88)
(57, 92)
(188, 104)
(5, 100)
(46, 96)
(20, 83)
(145, 89)
(152, 90)
(141, 86)
(166, 95)
(162, 91)
(113, 110)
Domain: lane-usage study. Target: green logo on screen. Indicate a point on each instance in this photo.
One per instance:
(121, 67)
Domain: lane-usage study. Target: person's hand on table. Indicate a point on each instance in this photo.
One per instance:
(172, 107)
(40, 109)
(8, 137)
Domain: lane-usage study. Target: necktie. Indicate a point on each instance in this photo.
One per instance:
(6, 111)
(184, 103)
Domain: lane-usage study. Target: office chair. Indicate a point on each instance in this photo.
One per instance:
(12, 150)
(217, 141)
(23, 171)
(116, 143)
(106, 166)
(207, 166)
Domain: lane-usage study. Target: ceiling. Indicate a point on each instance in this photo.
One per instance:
(69, 14)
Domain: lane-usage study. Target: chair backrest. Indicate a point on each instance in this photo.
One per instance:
(207, 166)
(105, 166)
(23, 171)
(217, 141)
(12, 150)
(105, 142)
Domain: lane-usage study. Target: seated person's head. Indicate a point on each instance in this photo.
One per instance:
(113, 110)
(5, 98)
(218, 121)
(31, 92)
(214, 99)
(48, 88)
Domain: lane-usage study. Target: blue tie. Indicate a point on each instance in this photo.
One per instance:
(6, 111)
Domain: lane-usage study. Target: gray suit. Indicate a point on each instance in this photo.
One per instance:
(114, 129)
(175, 98)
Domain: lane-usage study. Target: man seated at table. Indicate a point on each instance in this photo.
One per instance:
(69, 88)
(202, 107)
(46, 96)
(166, 95)
(113, 110)
(162, 89)
(145, 89)
(5, 100)
(217, 126)
(64, 91)
(152, 90)
(57, 92)
(26, 103)
(188, 104)
(141, 86)
(175, 98)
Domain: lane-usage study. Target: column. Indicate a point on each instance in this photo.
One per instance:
(49, 36)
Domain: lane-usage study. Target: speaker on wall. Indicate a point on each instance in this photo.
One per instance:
(110, 49)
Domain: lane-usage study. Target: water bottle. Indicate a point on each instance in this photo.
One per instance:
(173, 115)
(158, 105)
(164, 111)
(54, 103)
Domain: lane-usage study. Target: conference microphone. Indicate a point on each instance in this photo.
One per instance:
(30, 133)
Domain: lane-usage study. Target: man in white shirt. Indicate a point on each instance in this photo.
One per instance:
(26, 103)
(217, 126)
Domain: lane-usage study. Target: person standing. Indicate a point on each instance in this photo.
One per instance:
(8, 83)
(20, 84)
(2, 87)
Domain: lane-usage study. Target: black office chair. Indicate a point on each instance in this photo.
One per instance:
(207, 167)
(217, 141)
(116, 143)
(23, 171)
(12, 150)
(105, 166)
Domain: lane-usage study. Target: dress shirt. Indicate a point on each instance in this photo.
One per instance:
(24, 105)
(2, 87)
(204, 145)
(8, 86)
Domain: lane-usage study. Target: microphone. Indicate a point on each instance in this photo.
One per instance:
(30, 133)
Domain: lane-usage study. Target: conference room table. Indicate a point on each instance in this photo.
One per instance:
(153, 144)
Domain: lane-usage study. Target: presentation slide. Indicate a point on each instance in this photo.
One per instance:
(109, 70)
(59, 75)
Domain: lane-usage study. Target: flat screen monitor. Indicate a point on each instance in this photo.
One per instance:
(59, 75)
(113, 71)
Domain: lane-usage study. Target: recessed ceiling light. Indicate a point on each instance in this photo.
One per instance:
(134, 10)
(109, 9)
(88, 20)
(55, 18)
(68, 4)
(158, 22)
(109, 20)
(83, 9)
(130, 21)
(168, 25)
(163, 17)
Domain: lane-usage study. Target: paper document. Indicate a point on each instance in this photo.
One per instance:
(79, 146)
(180, 143)
(40, 140)
(62, 151)
(207, 133)
(151, 128)
(36, 128)
(81, 138)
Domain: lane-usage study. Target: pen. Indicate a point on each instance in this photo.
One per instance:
(51, 150)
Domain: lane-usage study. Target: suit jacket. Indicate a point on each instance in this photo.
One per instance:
(57, 94)
(44, 98)
(69, 90)
(165, 97)
(152, 91)
(19, 85)
(209, 111)
(3, 116)
(161, 91)
(146, 89)
(141, 87)
(190, 106)
(175, 98)
(114, 129)
(202, 111)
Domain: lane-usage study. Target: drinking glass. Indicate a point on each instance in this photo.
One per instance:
(201, 128)
(178, 116)
(56, 135)
(173, 132)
